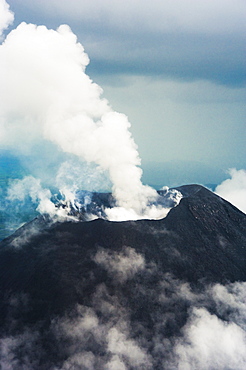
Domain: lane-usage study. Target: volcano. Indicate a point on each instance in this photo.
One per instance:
(127, 295)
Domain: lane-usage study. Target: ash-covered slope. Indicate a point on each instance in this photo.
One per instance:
(125, 295)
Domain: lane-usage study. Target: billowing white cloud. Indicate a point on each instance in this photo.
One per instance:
(231, 299)
(6, 16)
(234, 189)
(211, 343)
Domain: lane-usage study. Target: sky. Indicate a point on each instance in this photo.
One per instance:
(175, 68)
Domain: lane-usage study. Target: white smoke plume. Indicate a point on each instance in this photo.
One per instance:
(31, 187)
(46, 95)
(234, 189)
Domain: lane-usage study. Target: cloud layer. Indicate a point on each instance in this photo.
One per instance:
(182, 39)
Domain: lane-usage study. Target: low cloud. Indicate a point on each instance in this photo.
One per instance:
(210, 343)
(122, 265)
(88, 334)
(181, 328)
(25, 235)
(24, 343)
(120, 345)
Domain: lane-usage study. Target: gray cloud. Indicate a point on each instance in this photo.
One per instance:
(181, 40)
(123, 265)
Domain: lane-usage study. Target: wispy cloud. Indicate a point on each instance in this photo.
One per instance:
(121, 266)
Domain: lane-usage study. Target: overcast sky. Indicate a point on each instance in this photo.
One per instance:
(175, 67)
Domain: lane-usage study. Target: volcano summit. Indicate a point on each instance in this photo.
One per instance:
(146, 294)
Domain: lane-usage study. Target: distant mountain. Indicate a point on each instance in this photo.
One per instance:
(126, 295)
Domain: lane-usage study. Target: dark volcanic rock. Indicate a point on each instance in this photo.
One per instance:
(128, 277)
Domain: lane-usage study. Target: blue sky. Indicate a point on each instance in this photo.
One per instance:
(175, 68)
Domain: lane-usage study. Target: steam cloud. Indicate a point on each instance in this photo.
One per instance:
(47, 96)
(234, 189)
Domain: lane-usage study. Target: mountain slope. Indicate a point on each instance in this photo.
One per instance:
(93, 289)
